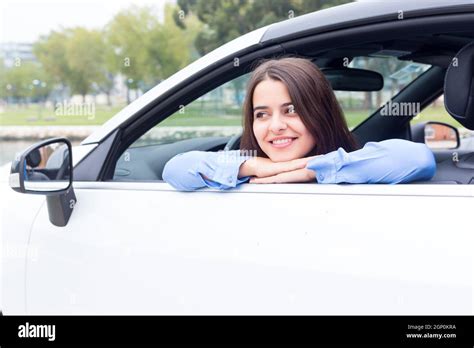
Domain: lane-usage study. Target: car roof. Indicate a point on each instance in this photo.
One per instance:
(361, 13)
(348, 15)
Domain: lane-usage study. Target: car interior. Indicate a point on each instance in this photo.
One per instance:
(440, 51)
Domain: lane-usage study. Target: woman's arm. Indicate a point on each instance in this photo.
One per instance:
(386, 162)
(193, 170)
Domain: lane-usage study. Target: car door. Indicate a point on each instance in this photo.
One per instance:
(144, 248)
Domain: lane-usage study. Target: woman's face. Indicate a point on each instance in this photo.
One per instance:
(277, 125)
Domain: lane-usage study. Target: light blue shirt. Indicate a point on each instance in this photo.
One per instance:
(391, 161)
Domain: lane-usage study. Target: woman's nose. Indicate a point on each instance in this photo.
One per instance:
(277, 123)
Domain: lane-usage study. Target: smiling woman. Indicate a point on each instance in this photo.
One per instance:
(294, 124)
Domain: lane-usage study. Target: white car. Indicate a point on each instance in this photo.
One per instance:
(111, 237)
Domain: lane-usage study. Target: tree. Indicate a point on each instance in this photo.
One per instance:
(74, 58)
(171, 48)
(127, 35)
(144, 50)
(3, 80)
(85, 57)
(245, 15)
(24, 82)
(50, 50)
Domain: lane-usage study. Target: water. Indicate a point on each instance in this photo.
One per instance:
(8, 149)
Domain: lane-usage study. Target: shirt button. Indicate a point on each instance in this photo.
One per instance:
(229, 179)
(320, 177)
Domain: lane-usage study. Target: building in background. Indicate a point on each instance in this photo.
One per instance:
(11, 52)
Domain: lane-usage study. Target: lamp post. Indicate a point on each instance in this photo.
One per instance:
(129, 83)
(37, 84)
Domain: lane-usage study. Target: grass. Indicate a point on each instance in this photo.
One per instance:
(354, 117)
(436, 113)
(432, 113)
(198, 117)
(36, 115)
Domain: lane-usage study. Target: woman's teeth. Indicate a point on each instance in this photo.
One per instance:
(282, 141)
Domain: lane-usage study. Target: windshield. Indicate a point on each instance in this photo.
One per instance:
(397, 74)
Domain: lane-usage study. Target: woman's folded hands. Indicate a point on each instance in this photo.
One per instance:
(265, 171)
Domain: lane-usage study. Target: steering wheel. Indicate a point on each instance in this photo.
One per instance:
(233, 143)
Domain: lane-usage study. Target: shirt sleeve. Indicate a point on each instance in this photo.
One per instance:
(391, 161)
(185, 171)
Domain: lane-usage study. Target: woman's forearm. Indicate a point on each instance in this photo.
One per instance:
(193, 170)
(387, 162)
(247, 168)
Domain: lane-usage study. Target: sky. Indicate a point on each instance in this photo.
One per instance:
(25, 21)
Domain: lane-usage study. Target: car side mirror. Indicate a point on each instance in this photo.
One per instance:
(436, 135)
(46, 168)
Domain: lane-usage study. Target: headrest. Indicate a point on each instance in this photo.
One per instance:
(459, 87)
(34, 159)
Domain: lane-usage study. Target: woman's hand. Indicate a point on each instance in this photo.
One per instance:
(299, 175)
(261, 167)
(265, 171)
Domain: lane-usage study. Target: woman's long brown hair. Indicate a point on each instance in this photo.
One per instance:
(313, 99)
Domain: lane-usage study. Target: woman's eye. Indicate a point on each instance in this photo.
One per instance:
(291, 110)
(259, 114)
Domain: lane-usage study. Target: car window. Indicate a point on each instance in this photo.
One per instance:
(208, 122)
(205, 124)
(216, 113)
(397, 74)
(219, 112)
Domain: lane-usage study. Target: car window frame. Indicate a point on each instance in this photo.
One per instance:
(123, 135)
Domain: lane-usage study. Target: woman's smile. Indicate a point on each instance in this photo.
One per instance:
(282, 142)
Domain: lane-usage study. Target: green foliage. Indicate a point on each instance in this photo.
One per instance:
(227, 19)
(146, 51)
(74, 58)
(50, 50)
(85, 58)
(128, 34)
(24, 82)
(3, 71)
